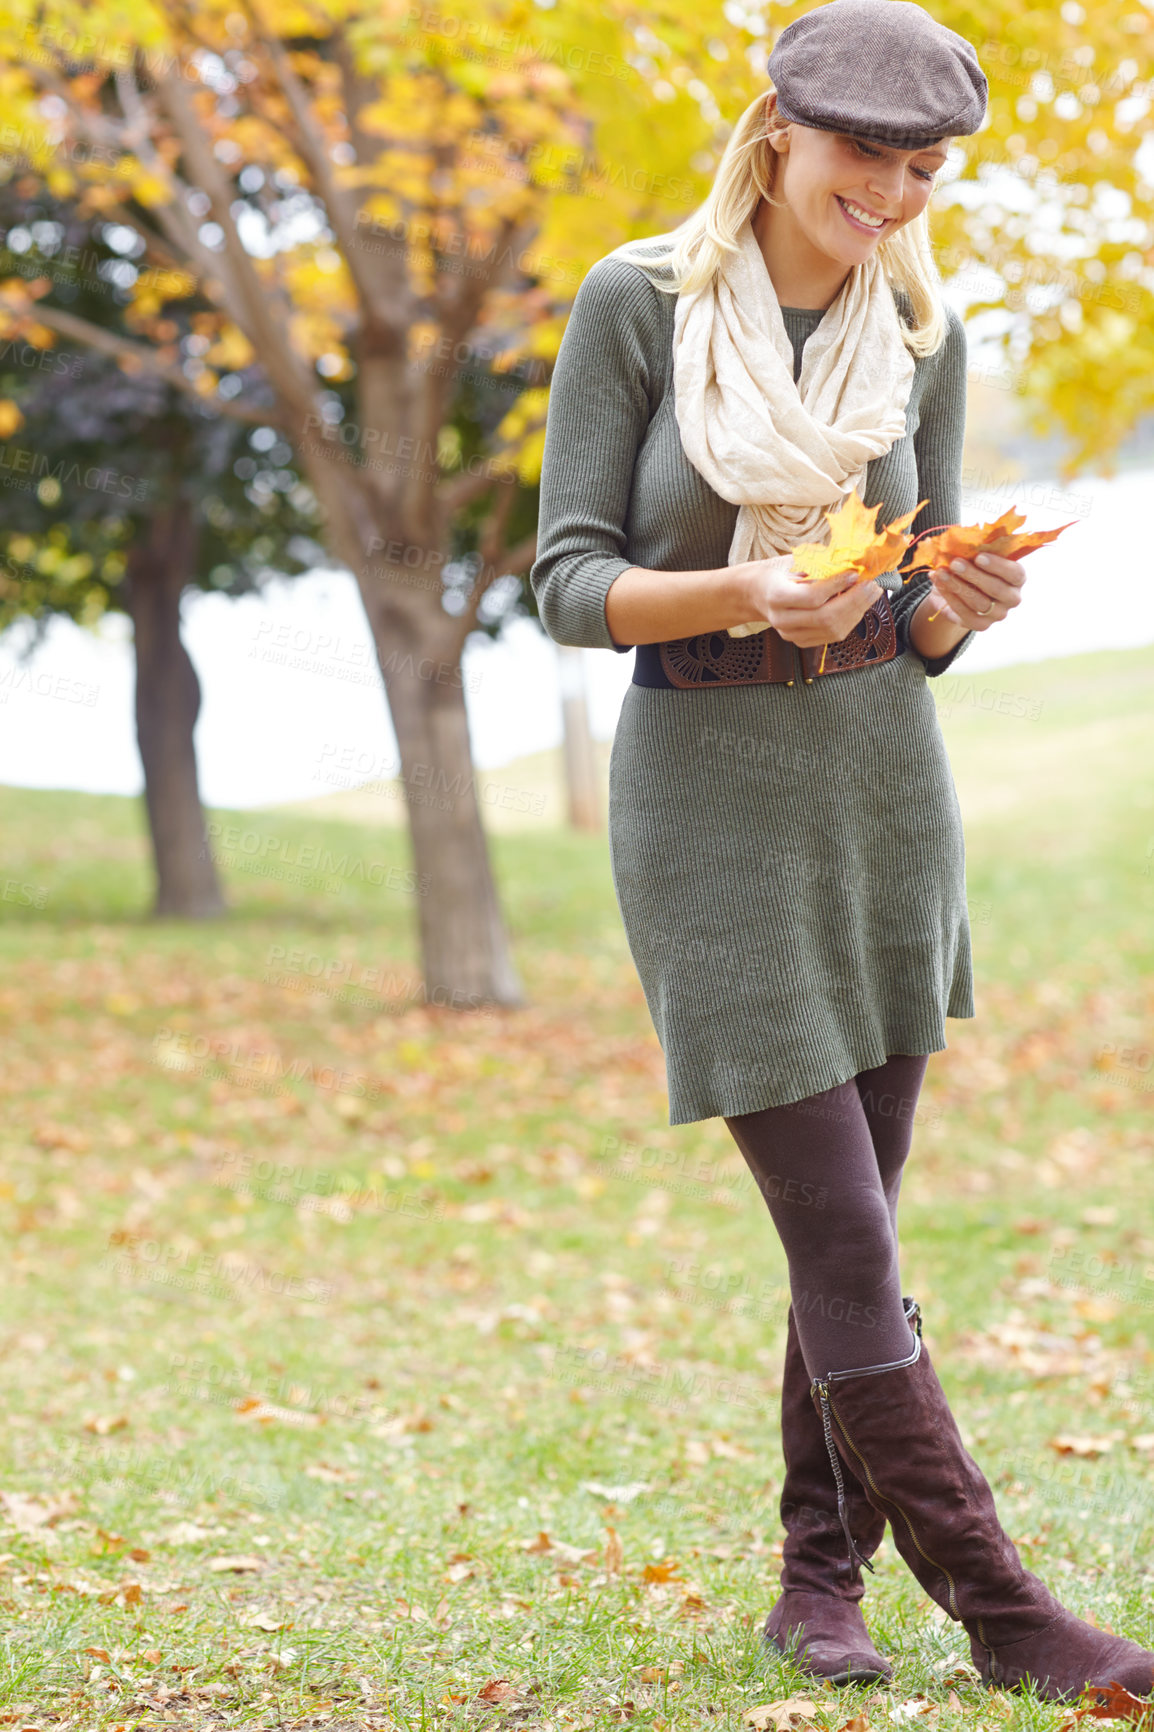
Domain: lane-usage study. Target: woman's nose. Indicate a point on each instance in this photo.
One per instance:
(886, 180)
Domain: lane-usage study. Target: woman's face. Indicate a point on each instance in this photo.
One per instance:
(848, 194)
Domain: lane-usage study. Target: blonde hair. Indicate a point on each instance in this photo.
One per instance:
(691, 255)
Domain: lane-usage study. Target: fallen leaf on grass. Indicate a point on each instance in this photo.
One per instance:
(1108, 1702)
(727, 1451)
(405, 1610)
(793, 1711)
(917, 1707)
(262, 1621)
(1089, 1447)
(329, 1475)
(859, 1723)
(98, 1654)
(497, 1690)
(255, 1408)
(54, 1136)
(616, 1493)
(660, 1572)
(1040, 1352)
(28, 1511)
(614, 1551)
(557, 1549)
(238, 1565)
(541, 1544)
(103, 1423)
(187, 1534)
(128, 1593)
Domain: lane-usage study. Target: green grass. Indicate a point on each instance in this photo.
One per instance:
(371, 1295)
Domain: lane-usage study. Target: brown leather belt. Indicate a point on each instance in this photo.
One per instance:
(713, 658)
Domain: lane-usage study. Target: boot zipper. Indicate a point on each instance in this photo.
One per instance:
(914, 1317)
(835, 1463)
(827, 1409)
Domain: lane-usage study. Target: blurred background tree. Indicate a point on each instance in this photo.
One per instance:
(367, 193)
(121, 493)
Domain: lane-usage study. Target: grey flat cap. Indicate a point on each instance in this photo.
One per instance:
(879, 69)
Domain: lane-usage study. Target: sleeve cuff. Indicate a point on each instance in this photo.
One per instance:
(933, 665)
(571, 600)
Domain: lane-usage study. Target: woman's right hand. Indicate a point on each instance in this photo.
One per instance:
(803, 612)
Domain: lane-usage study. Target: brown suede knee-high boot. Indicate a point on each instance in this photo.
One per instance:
(818, 1616)
(892, 1426)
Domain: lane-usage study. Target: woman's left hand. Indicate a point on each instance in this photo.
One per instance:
(977, 593)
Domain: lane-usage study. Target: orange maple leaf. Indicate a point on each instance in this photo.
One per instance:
(964, 541)
(1110, 1702)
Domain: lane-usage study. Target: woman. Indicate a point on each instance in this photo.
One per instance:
(785, 837)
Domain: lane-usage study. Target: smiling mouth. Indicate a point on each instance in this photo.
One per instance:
(860, 218)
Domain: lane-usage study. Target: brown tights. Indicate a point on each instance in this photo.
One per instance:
(830, 1169)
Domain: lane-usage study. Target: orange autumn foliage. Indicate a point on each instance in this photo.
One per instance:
(964, 541)
(854, 544)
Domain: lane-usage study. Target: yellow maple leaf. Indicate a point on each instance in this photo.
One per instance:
(855, 544)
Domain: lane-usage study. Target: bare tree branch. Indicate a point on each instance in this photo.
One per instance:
(141, 356)
(157, 249)
(517, 560)
(340, 206)
(456, 313)
(512, 563)
(392, 287)
(453, 496)
(491, 549)
(257, 312)
(125, 138)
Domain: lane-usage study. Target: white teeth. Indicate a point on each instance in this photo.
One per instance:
(863, 216)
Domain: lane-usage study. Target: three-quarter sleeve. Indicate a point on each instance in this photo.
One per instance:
(938, 454)
(599, 409)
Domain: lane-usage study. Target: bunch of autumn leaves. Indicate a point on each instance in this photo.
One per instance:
(855, 545)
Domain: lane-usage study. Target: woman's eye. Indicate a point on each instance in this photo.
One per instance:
(864, 150)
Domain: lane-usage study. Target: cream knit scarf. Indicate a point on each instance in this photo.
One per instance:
(786, 452)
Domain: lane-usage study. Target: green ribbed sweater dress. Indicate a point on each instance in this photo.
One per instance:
(788, 860)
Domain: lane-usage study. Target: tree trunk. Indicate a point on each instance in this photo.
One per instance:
(465, 951)
(167, 705)
(578, 753)
(466, 958)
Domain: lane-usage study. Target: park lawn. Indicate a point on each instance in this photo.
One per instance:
(371, 1364)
